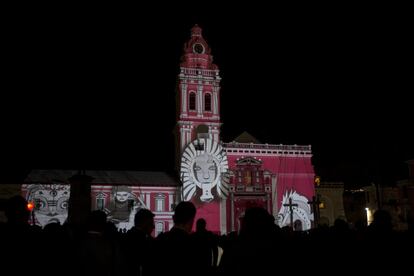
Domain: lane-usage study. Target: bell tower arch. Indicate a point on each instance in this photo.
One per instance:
(198, 92)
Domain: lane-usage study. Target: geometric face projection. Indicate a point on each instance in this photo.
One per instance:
(204, 165)
(301, 210)
(51, 202)
(123, 206)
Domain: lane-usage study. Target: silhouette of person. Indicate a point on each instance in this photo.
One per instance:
(254, 250)
(138, 244)
(17, 212)
(16, 235)
(176, 248)
(206, 246)
(99, 254)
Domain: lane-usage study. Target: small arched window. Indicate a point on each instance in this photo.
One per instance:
(159, 227)
(207, 102)
(160, 203)
(192, 101)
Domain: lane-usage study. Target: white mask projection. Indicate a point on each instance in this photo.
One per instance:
(204, 165)
(51, 202)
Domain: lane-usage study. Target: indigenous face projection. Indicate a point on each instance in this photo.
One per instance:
(51, 202)
(123, 206)
(204, 165)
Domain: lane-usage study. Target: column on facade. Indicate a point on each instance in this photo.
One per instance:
(183, 138)
(188, 135)
(269, 209)
(274, 195)
(223, 216)
(170, 202)
(148, 200)
(232, 211)
(214, 133)
(200, 99)
(215, 100)
(184, 98)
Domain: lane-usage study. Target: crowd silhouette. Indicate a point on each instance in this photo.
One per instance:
(260, 246)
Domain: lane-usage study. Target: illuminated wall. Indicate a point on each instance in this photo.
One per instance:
(51, 202)
(119, 202)
(122, 202)
(289, 175)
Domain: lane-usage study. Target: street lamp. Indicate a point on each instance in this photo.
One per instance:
(30, 206)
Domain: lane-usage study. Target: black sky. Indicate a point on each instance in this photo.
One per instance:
(97, 89)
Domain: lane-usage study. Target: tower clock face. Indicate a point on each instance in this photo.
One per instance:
(198, 48)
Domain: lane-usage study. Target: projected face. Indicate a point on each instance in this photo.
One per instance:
(121, 196)
(205, 172)
(205, 169)
(123, 206)
(51, 202)
(204, 165)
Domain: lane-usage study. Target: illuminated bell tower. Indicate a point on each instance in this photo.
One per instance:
(198, 112)
(203, 162)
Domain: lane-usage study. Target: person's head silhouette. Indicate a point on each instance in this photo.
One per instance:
(144, 221)
(17, 211)
(201, 225)
(184, 215)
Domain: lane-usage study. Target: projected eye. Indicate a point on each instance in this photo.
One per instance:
(197, 168)
(41, 204)
(212, 168)
(62, 204)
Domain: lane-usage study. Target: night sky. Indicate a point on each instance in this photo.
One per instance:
(97, 90)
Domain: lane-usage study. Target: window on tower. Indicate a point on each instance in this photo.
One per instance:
(207, 102)
(192, 101)
(159, 227)
(160, 203)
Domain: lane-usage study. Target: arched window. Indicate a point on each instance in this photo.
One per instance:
(192, 101)
(159, 227)
(207, 102)
(160, 203)
(100, 201)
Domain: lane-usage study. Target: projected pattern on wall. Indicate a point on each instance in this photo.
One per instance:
(51, 202)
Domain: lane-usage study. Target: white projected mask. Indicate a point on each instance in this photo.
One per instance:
(204, 165)
(205, 173)
(51, 202)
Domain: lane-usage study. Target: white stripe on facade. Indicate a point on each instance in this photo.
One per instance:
(274, 196)
(215, 101)
(148, 200)
(200, 101)
(223, 217)
(170, 202)
(184, 98)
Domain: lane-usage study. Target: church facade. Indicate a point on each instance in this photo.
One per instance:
(222, 179)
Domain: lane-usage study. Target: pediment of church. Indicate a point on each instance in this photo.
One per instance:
(249, 161)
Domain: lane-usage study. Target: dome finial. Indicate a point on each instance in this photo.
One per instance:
(196, 30)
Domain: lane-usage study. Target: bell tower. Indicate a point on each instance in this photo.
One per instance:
(198, 93)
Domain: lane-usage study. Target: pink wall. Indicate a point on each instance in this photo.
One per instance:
(294, 172)
(210, 212)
